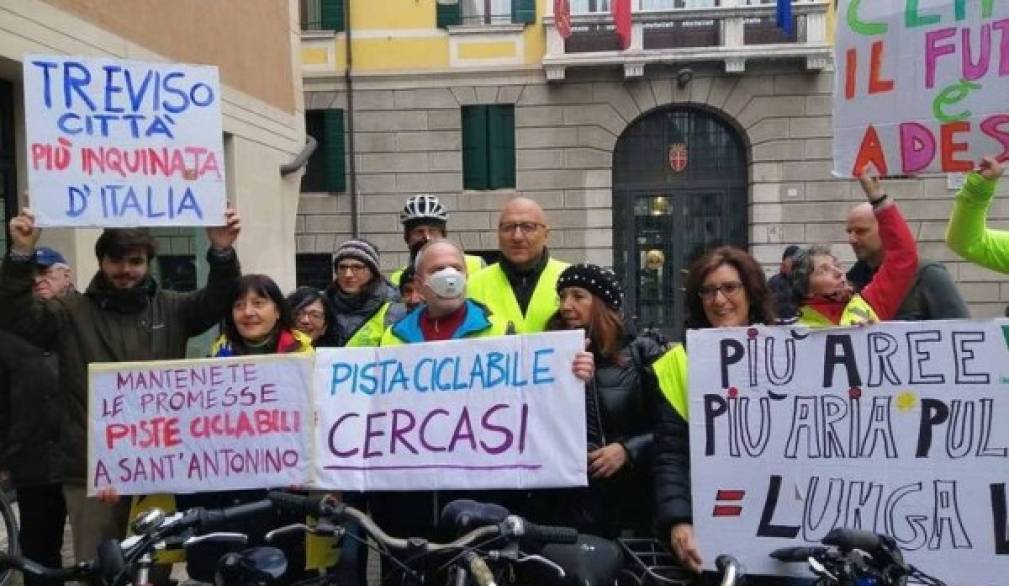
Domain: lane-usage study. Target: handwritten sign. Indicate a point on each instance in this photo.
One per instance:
(199, 425)
(502, 412)
(921, 86)
(901, 429)
(123, 143)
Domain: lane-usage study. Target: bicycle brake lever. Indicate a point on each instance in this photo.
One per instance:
(820, 570)
(538, 558)
(301, 527)
(222, 536)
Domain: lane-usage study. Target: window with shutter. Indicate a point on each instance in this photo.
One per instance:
(524, 11)
(488, 142)
(332, 15)
(501, 131)
(448, 14)
(326, 170)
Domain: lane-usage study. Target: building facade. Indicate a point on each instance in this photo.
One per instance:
(263, 113)
(713, 126)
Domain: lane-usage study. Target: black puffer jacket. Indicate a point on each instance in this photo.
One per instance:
(620, 407)
(31, 408)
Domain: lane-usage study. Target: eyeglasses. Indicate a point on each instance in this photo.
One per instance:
(313, 315)
(355, 269)
(730, 289)
(524, 227)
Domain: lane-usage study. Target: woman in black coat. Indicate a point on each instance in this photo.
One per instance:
(619, 405)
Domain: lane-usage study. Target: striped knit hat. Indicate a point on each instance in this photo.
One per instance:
(361, 250)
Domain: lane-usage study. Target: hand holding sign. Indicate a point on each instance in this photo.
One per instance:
(23, 232)
(223, 237)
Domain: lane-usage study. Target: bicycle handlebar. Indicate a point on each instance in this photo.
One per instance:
(26, 566)
(730, 568)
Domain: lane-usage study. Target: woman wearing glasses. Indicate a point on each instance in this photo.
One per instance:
(361, 297)
(821, 288)
(725, 288)
(312, 314)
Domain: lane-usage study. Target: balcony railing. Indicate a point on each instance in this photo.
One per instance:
(729, 33)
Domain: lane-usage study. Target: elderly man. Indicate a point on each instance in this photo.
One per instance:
(521, 288)
(933, 294)
(30, 412)
(446, 314)
(124, 316)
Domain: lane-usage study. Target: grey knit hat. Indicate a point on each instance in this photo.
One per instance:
(361, 250)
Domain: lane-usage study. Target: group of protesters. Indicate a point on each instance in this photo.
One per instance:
(636, 387)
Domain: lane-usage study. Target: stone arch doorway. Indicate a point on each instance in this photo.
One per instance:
(679, 189)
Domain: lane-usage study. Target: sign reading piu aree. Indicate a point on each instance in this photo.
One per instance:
(900, 428)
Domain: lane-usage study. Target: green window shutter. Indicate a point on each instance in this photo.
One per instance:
(332, 15)
(449, 14)
(523, 11)
(501, 127)
(474, 147)
(332, 142)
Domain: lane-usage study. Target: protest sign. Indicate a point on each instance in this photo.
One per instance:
(502, 412)
(123, 143)
(198, 425)
(920, 85)
(900, 428)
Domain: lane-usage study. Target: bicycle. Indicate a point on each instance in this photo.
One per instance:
(467, 563)
(852, 557)
(129, 561)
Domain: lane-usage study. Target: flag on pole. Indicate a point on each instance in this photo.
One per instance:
(621, 10)
(562, 17)
(784, 17)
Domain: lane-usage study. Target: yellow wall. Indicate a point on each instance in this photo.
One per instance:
(414, 42)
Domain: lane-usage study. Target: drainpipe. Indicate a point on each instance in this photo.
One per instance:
(351, 152)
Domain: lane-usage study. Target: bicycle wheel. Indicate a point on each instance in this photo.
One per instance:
(8, 532)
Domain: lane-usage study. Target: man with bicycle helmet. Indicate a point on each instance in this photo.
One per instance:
(425, 218)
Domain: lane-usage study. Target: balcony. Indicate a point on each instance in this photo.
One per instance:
(729, 33)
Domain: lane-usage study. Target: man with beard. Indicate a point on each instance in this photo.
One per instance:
(123, 316)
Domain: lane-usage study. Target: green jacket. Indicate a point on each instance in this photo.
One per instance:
(966, 233)
(98, 327)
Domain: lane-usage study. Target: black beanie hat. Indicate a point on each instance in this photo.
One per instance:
(599, 281)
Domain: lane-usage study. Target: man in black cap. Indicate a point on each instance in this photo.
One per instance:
(30, 412)
(781, 286)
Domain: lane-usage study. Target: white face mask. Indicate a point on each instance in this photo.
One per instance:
(447, 283)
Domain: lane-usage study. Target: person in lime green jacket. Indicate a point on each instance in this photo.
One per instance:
(966, 234)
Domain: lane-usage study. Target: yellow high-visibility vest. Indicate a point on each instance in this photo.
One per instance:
(856, 311)
(490, 287)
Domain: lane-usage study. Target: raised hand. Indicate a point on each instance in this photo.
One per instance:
(990, 168)
(222, 237)
(24, 234)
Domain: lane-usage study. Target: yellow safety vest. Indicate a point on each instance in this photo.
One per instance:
(856, 311)
(490, 287)
(671, 371)
(474, 264)
(370, 333)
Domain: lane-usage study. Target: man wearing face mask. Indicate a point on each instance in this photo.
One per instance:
(446, 314)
